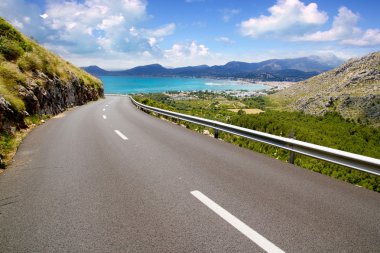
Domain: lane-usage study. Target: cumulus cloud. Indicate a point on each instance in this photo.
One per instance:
(93, 25)
(344, 29)
(286, 16)
(370, 37)
(190, 50)
(90, 27)
(344, 25)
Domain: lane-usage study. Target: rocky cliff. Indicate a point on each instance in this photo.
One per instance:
(34, 81)
(352, 90)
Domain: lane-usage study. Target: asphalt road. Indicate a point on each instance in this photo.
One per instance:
(76, 185)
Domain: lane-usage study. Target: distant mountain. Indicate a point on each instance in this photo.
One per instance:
(271, 70)
(95, 70)
(306, 64)
(352, 89)
(152, 70)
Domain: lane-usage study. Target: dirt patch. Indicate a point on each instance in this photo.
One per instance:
(248, 111)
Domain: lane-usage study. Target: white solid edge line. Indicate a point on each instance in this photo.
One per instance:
(104, 117)
(239, 225)
(121, 135)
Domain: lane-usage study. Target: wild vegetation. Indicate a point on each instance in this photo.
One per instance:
(35, 83)
(330, 130)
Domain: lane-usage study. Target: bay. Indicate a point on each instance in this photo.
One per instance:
(131, 84)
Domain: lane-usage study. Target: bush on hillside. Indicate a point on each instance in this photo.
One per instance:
(11, 50)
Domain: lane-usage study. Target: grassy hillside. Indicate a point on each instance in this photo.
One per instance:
(22, 58)
(352, 90)
(35, 84)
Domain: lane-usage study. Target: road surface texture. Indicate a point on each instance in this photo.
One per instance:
(106, 177)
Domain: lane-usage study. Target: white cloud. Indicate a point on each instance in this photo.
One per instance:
(225, 40)
(370, 37)
(133, 31)
(287, 16)
(344, 25)
(88, 27)
(110, 22)
(344, 29)
(189, 50)
(152, 41)
(163, 31)
(229, 13)
(27, 20)
(44, 16)
(146, 54)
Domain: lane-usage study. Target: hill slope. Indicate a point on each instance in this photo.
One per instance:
(34, 84)
(352, 90)
(36, 81)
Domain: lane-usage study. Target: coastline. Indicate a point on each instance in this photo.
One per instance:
(132, 85)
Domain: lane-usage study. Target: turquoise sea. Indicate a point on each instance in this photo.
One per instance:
(129, 84)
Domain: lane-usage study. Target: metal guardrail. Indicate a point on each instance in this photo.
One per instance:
(358, 162)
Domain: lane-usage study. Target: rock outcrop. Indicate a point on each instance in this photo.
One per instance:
(54, 97)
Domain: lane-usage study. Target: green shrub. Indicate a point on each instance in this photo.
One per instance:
(11, 50)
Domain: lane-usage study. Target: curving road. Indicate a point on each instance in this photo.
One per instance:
(106, 177)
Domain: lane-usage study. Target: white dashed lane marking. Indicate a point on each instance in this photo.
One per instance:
(238, 224)
(121, 135)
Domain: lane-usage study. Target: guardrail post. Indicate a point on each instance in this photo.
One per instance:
(291, 154)
(291, 157)
(216, 133)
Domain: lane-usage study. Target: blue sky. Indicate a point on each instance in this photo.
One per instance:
(120, 34)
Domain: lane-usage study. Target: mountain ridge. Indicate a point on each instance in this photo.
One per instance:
(295, 69)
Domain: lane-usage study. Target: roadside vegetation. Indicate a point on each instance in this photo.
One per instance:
(330, 130)
(10, 140)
